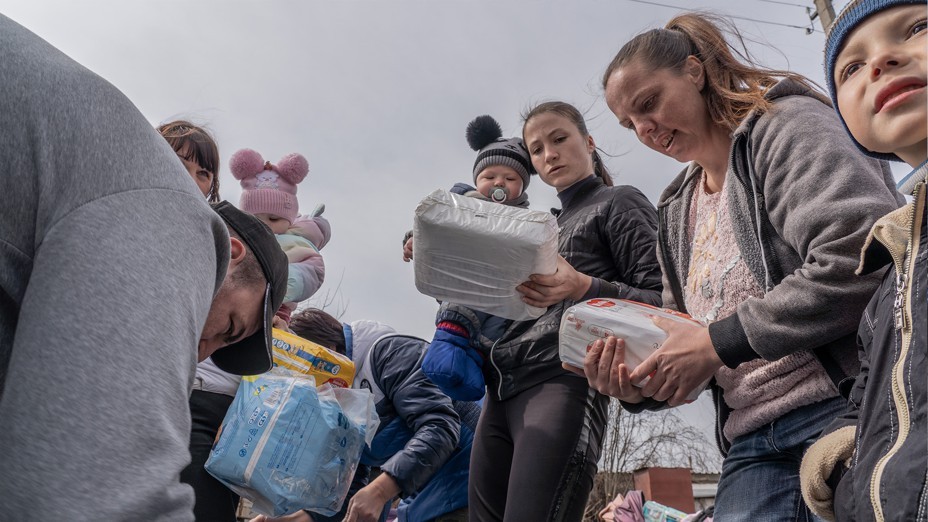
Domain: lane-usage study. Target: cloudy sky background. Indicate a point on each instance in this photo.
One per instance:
(377, 94)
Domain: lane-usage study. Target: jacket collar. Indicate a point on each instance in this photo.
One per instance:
(578, 189)
(890, 235)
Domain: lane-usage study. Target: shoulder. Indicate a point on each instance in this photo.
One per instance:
(63, 115)
(799, 115)
(398, 351)
(627, 197)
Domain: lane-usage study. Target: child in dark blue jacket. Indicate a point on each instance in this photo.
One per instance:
(501, 171)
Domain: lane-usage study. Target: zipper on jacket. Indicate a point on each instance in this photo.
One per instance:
(901, 312)
(499, 385)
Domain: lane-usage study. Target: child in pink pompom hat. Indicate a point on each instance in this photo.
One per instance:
(269, 192)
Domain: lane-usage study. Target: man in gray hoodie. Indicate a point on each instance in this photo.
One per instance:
(115, 278)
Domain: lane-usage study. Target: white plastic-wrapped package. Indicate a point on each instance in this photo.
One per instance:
(475, 253)
(584, 323)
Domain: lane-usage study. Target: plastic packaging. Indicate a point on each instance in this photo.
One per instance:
(654, 512)
(475, 253)
(584, 323)
(295, 354)
(287, 445)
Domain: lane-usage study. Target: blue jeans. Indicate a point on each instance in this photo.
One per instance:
(760, 475)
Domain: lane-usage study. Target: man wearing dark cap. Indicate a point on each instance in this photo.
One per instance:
(114, 273)
(240, 317)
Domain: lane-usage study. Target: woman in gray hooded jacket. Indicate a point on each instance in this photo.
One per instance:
(758, 239)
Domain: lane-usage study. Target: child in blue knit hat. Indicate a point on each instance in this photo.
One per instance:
(501, 171)
(871, 463)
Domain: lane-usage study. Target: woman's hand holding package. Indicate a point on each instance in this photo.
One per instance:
(604, 368)
(685, 360)
(545, 290)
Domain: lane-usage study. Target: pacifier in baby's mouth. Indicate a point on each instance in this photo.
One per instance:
(499, 194)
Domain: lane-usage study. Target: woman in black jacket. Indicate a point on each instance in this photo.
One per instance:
(539, 438)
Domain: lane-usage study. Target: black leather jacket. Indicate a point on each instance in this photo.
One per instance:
(608, 233)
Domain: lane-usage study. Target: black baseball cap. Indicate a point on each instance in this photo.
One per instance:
(252, 355)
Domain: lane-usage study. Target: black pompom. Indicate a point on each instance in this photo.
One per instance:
(483, 131)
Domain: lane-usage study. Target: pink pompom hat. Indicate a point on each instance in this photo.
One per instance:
(269, 188)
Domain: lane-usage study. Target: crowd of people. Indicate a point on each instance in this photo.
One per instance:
(133, 300)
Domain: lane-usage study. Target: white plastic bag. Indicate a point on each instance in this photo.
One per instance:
(287, 445)
(475, 253)
(584, 323)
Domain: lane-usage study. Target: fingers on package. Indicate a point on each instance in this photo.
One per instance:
(475, 253)
(589, 321)
(286, 444)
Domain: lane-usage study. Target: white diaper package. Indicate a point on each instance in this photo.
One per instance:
(475, 253)
(584, 323)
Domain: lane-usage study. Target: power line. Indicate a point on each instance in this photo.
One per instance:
(783, 3)
(804, 28)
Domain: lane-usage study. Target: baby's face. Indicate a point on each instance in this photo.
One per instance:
(880, 78)
(277, 224)
(499, 176)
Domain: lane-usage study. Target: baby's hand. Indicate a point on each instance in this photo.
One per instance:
(407, 250)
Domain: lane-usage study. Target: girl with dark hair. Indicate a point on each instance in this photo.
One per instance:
(540, 434)
(199, 153)
(749, 244)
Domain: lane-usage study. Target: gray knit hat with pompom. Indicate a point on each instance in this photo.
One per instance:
(485, 136)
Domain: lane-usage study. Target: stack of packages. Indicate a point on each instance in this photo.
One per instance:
(286, 444)
(475, 253)
(588, 321)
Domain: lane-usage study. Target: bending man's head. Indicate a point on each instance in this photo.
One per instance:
(237, 333)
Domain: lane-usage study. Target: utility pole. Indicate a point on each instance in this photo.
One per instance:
(824, 11)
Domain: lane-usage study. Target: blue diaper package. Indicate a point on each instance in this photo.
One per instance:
(654, 512)
(287, 445)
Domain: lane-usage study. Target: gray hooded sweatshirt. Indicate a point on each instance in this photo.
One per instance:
(109, 260)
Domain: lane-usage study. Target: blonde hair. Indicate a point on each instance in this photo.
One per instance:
(735, 84)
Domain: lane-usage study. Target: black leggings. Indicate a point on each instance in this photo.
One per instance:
(535, 454)
(214, 502)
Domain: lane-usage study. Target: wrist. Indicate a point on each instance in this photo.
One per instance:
(385, 487)
(581, 286)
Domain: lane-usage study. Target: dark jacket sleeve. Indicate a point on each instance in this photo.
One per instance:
(821, 197)
(631, 235)
(422, 406)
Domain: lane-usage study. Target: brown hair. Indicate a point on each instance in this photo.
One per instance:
(249, 273)
(734, 83)
(571, 113)
(194, 143)
(319, 327)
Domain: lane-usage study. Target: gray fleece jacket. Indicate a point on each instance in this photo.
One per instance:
(803, 200)
(806, 199)
(109, 260)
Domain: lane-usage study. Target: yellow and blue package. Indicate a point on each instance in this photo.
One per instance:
(295, 354)
(287, 445)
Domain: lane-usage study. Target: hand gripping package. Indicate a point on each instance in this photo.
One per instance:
(475, 253)
(287, 445)
(298, 355)
(584, 323)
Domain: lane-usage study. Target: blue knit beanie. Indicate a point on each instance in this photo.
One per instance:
(850, 17)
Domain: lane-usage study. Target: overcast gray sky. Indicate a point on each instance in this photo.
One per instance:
(376, 94)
